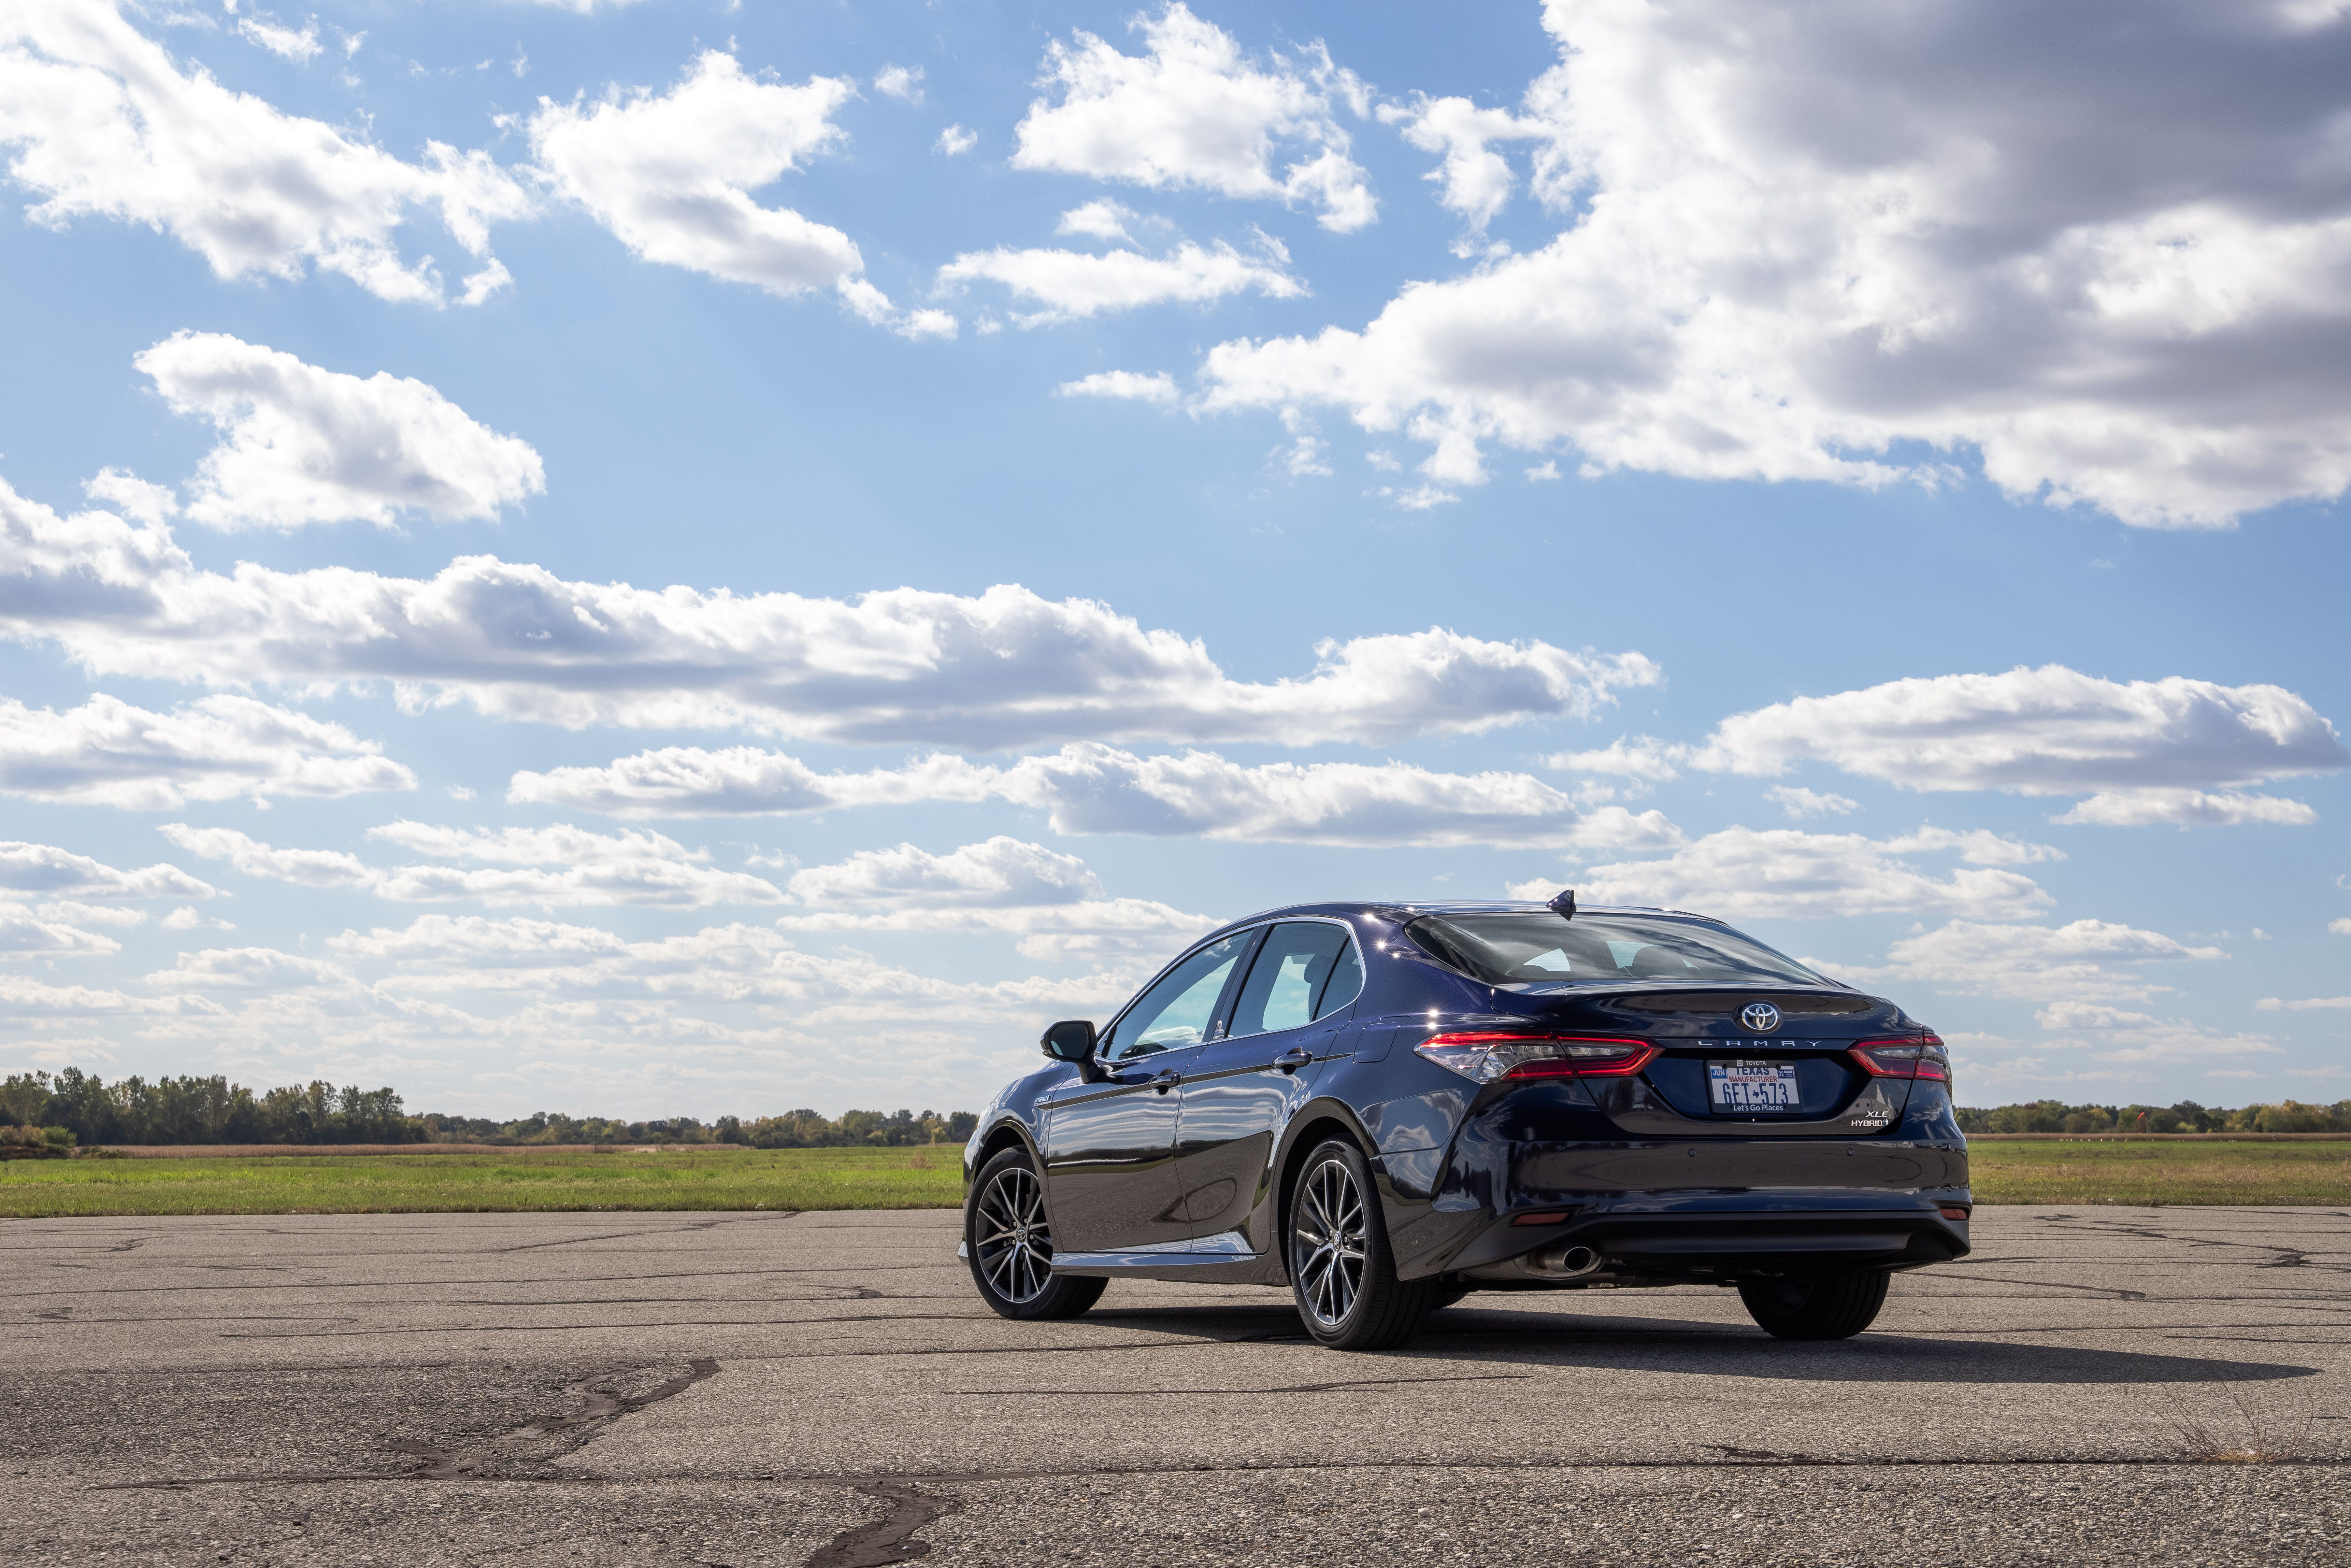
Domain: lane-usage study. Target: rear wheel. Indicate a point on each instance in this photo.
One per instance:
(1341, 1270)
(1835, 1305)
(1010, 1244)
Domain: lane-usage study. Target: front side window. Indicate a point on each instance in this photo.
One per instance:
(1517, 949)
(1179, 1010)
(1306, 970)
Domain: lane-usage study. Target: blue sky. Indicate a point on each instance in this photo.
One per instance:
(1863, 474)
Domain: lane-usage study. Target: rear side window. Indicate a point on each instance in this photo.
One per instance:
(1306, 970)
(1176, 1011)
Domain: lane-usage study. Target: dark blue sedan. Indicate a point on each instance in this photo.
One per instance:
(1387, 1106)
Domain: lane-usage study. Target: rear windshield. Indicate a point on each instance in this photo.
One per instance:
(1517, 949)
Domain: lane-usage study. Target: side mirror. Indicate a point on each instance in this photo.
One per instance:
(1071, 1041)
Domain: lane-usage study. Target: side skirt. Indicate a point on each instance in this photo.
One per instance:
(1206, 1268)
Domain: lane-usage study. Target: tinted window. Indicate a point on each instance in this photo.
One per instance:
(1506, 949)
(1304, 970)
(1178, 1011)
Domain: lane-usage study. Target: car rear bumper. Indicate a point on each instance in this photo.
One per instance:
(1683, 1209)
(1719, 1242)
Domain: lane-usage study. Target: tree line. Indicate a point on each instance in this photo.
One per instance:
(86, 1110)
(2187, 1116)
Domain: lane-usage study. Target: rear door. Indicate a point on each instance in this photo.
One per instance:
(1290, 1015)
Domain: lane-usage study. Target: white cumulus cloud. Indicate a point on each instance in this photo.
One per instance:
(904, 82)
(1134, 386)
(1073, 285)
(1051, 901)
(2043, 964)
(310, 868)
(104, 123)
(744, 781)
(672, 176)
(244, 968)
(2147, 748)
(999, 871)
(1195, 112)
(24, 935)
(1747, 874)
(301, 445)
(1000, 670)
(1797, 236)
(74, 912)
(432, 939)
(53, 873)
(301, 48)
(560, 866)
(108, 753)
(2187, 808)
(1798, 803)
(1474, 180)
(1089, 787)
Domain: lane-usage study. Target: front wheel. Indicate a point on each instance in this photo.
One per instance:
(1011, 1246)
(1341, 1270)
(1835, 1305)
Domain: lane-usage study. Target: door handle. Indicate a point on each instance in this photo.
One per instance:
(1167, 1078)
(1296, 1057)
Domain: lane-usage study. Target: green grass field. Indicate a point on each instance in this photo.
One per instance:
(2155, 1173)
(576, 1178)
(556, 1179)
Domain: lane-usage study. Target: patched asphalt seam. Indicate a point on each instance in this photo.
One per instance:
(891, 1538)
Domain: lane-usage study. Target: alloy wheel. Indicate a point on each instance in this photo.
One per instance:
(1327, 1242)
(1011, 1239)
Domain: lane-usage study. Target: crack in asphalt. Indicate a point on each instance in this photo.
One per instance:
(483, 1462)
(1733, 1459)
(2118, 1293)
(413, 1284)
(1293, 1388)
(891, 1538)
(2285, 1256)
(619, 1235)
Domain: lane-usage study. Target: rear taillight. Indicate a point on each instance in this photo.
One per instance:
(1484, 1057)
(1919, 1056)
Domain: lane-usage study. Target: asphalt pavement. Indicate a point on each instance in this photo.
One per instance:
(826, 1389)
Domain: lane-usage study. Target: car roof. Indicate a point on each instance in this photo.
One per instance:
(1401, 910)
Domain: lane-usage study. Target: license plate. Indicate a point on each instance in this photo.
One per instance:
(1751, 1085)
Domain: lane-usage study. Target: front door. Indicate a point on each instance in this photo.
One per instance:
(1288, 1018)
(1110, 1145)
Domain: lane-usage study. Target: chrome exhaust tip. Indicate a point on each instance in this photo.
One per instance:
(1571, 1262)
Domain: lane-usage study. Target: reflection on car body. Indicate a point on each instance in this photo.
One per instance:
(1386, 1106)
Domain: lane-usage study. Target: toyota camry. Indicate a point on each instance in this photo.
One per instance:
(1388, 1106)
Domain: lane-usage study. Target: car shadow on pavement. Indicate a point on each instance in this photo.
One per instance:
(1717, 1349)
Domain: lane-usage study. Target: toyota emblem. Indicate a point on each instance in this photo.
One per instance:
(1758, 1018)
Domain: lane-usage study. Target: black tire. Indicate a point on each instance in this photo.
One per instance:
(1341, 1270)
(1445, 1296)
(1010, 1246)
(1836, 1305)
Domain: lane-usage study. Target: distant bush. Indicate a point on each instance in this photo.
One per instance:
(36, 1143)
(2055, 1117)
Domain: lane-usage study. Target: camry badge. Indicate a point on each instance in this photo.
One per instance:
(1760, 1018)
